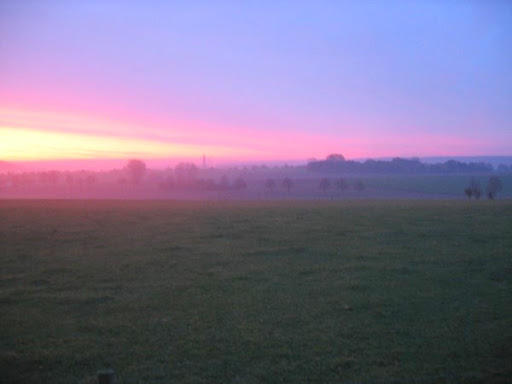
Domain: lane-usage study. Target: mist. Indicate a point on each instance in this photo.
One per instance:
(331, 179)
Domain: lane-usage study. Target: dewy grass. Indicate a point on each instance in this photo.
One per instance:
(295, 292)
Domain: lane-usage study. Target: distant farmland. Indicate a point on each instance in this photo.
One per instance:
(256, 292)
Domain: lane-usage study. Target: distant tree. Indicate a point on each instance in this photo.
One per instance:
(70, 180)
(494, 185)
(90, 179)
(477, 193)
(287, 184)
(341, 184)
(335, 157)
(49, 177)
(206, 185)
(137, 169)
(185, 174)
(167, 183)
(224, 182)
(270, 184)
(325, 184)
(473, 190)
(359, 186)
(337, 163)
(239, 183)
(209, 184)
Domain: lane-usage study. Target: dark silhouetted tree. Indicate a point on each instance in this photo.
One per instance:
(49, 177)
(359, 186)
(239, 184)
(341, 184)
(270, 184)
(477, 193)
(494, 185)
(137, 169)
(167, 183)
(325, 184)
(90, 179)
(209, 184)
(224, 183)
(335, 157)
(70, 180)
(473, 190)
(287, 184)
(185, 174)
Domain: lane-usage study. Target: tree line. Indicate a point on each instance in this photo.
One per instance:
(336, 163)
(187, 176)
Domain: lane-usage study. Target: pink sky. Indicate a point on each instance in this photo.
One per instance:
(34, 135)
(253, 83)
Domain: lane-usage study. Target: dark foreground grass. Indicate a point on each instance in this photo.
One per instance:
(303, 292)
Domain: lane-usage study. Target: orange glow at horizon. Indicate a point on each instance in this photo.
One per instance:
(20, 144)
(35, 134)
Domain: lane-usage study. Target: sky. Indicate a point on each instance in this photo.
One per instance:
(254, 81)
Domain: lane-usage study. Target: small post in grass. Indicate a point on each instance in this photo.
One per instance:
(106, 376)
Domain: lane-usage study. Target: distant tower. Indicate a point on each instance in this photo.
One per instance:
(204, 161)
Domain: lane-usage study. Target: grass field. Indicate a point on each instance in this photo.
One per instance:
(290, 292)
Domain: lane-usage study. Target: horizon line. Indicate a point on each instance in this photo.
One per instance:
(161, 163)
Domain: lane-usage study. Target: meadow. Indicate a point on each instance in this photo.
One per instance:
(351, 291)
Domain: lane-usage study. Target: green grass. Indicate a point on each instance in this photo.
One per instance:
(295, 292)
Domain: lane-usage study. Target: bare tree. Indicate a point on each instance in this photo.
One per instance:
(473, 190)
(325, 184)
(287, 184)
(224, 183)
(239, 183)
(90, 179)
(359, 186)
(270, 184)
(70, 179)
(185, 174)
(494, 185)
(341, 184)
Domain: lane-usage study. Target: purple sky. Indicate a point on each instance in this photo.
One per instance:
(255, 80)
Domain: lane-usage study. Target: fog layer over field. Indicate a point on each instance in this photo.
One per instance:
(332, 178)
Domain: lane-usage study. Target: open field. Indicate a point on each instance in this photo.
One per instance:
(256, 292)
